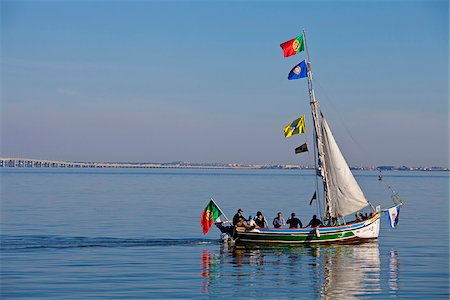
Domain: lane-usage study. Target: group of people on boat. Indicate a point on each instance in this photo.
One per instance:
(360, 217)
(278, 222)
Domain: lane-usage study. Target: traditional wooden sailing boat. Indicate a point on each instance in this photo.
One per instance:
(339, 192)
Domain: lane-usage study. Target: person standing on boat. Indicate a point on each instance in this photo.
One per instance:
(314, 222)
(279, 221)
(261, 221)
(239, 219)
(294, 222)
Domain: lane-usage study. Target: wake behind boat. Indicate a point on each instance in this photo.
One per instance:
(337, 192)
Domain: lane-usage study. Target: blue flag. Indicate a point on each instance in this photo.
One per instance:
(392, 216)
(299, 71)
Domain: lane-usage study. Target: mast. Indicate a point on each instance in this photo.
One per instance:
(318, 142)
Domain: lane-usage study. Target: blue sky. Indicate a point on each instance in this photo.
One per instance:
(206, 81)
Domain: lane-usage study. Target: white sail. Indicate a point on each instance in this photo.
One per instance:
(344, 195)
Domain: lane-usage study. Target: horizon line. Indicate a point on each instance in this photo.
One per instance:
(30, 162)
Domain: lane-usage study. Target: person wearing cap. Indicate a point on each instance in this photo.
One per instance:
(294, 222)
(251, 223)
(238, 219)
(261, 221)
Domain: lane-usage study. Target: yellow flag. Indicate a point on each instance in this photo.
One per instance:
(296, 127)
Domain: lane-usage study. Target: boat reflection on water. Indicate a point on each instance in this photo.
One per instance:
(393, 272)
(338, 271)
(351, 272)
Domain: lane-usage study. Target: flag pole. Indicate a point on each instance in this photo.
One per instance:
(312, 102)
(220, 210)
(318, 140)
(307, 56)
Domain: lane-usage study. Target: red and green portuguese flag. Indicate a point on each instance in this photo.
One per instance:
(209, 215)
(293, 46)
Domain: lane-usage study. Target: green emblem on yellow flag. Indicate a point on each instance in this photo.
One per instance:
(296, 127)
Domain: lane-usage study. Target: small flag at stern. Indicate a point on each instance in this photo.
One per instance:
(209, 215)
(392, 216)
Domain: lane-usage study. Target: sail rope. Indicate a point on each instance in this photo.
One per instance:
(395, 196)
(340, 118)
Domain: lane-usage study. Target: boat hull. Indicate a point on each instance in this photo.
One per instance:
(367, 229)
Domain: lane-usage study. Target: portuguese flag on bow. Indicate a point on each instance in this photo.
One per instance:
(293, 46)
(209, 215)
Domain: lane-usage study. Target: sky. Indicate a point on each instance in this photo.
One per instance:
(206, 81)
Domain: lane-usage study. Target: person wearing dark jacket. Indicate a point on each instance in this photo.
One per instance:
(239, 219)
(294, 222)
(261, 221)
(314, 222)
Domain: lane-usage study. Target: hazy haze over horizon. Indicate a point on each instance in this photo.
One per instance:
(207, 82)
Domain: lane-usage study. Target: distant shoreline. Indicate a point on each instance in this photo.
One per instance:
(39, 163)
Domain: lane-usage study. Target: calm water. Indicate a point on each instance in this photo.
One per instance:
(136, 234)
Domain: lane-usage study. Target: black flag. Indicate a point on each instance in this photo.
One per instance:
(302, 148)
(312, 199)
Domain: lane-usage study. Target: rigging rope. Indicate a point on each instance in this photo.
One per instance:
(395, 196)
